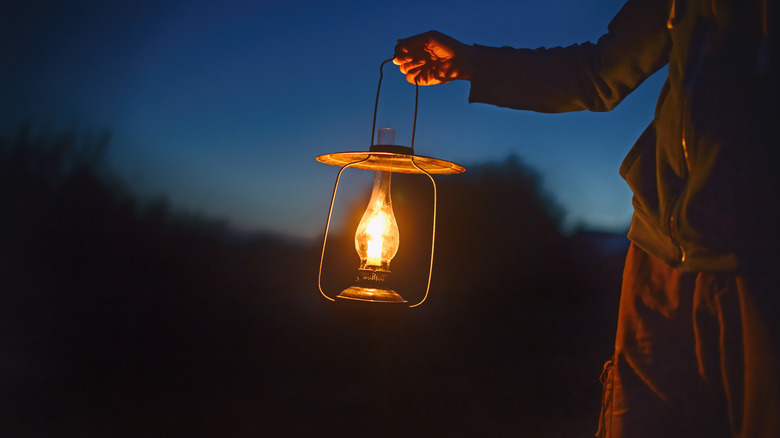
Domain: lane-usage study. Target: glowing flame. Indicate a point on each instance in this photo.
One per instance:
(376, 228)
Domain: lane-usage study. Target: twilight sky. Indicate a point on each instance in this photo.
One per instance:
(223, 105)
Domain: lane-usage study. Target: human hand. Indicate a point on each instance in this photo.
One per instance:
(433, 58)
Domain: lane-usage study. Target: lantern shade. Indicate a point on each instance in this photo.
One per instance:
(392, 158)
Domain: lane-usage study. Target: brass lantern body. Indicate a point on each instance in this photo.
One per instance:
(377, 236)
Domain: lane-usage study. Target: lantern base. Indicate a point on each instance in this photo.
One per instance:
(371, 294)
(366, 314)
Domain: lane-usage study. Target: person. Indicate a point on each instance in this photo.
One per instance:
(696, 350)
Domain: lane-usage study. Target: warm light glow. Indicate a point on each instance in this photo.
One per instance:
(376, 238)
(374, 230)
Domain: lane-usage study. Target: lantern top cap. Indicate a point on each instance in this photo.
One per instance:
(392, 148)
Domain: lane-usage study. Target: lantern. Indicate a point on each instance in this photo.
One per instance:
(377, 237)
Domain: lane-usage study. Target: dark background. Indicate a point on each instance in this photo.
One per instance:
(123, 316)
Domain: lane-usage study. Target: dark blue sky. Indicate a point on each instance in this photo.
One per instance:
(223, 105)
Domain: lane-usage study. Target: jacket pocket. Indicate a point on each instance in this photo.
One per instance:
(644, 148)
(639, 171)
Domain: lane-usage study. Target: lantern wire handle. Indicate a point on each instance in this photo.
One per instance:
(376, 104)
(433, 232)
(327, 225)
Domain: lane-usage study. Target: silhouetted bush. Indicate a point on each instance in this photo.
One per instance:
(128, 317)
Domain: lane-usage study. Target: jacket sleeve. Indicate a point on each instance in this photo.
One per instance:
(588, 76)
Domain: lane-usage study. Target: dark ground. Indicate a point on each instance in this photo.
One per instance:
(121, 317)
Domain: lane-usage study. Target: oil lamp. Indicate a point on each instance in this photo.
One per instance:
(377, 236)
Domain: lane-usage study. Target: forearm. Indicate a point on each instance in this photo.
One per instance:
(589, 76)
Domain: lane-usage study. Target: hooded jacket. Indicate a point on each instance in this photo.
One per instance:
(705, 172)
